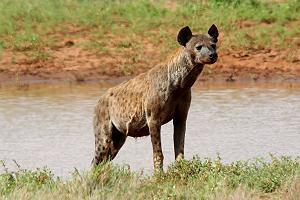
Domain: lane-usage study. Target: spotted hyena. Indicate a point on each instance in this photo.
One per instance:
(140, 106)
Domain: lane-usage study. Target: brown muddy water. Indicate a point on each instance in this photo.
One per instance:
(52, 126)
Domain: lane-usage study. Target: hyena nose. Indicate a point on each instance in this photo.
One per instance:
(213, 55)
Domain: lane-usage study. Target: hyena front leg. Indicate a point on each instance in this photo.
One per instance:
(154, 129)
(179, 123)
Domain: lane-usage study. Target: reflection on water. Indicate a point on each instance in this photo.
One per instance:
(53, 126)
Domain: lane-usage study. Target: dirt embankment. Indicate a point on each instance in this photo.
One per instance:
(71, 62)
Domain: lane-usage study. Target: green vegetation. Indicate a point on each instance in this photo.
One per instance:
(277, 178)
(33, 24)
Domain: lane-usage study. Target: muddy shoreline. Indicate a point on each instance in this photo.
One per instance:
(73, 65)
(67, 79)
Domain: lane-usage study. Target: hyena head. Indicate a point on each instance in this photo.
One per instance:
(201, 47)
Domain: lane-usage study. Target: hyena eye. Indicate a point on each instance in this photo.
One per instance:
(199, 47)
(213, 46)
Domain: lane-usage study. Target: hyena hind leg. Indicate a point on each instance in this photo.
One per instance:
(118, 139)
(108, 142)
(103, 133)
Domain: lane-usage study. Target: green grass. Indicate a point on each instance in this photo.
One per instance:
(277, 178)
(28, 25)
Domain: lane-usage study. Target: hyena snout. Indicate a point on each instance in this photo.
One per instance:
(213, 57)
(207, 57)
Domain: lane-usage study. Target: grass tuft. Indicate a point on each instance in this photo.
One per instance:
(188, 179)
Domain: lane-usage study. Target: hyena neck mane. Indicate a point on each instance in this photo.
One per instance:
(182, 71)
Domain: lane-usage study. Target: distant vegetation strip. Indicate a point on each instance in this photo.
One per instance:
(31, 25)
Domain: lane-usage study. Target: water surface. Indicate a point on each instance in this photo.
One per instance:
(52, 126)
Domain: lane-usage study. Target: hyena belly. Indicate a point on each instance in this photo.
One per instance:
(127, 112)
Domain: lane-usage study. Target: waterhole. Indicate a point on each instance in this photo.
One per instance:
(52, 126)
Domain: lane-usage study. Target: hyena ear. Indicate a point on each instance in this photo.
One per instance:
(184, 35)
(213, 32)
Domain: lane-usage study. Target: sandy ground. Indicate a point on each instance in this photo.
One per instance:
(71, 62)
